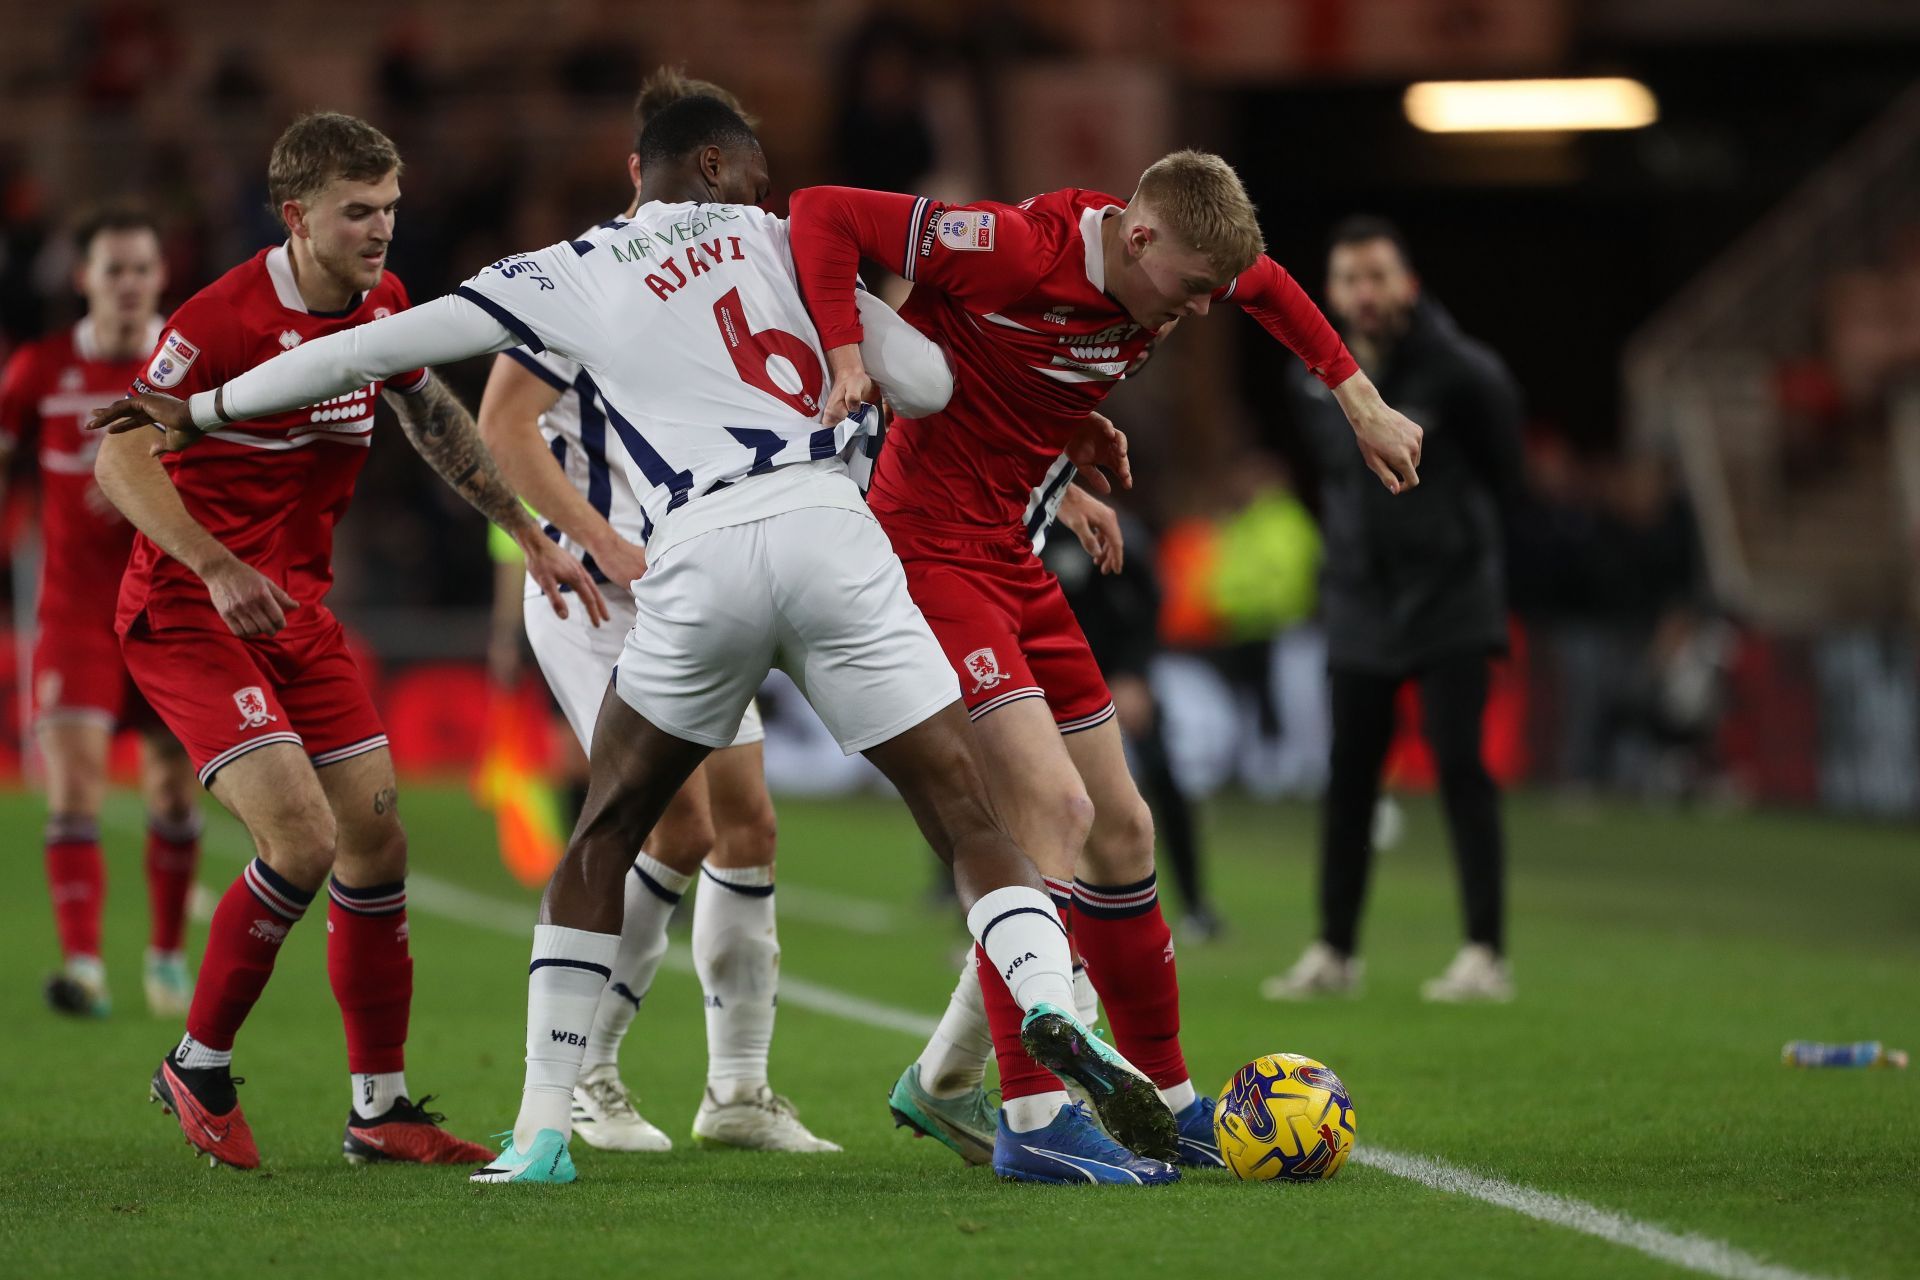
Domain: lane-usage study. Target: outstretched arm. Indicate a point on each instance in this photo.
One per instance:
(1388, 439)
(443, 330)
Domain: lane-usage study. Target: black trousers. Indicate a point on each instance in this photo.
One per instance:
(1453, 697)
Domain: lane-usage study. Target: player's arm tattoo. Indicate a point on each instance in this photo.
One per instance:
(443, 432)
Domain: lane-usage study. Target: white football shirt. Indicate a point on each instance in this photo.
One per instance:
(708, 366)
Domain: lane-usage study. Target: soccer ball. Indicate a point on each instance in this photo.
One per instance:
(1284, 1117)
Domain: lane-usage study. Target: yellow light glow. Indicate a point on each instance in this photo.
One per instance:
(1510, 106)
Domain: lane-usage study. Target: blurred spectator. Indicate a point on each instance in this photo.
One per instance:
(120, 49)
(237, 84)
(882, 139)
(1414, 590)
(601, 64)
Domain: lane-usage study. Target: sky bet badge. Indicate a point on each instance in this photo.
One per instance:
(968, 229)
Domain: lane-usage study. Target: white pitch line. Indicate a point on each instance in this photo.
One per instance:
(1686, 1251)
(1692, 1252)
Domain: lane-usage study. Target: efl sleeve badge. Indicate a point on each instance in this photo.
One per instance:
(967, 229)
(171, 362)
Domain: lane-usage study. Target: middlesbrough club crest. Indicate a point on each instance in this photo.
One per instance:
(253, 707)
(984, 667)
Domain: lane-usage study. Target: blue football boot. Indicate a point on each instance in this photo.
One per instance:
(1072, 1149)
(1199, 1145)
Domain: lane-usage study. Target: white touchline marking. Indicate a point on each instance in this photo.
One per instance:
(843, 911)
(1686, 1251)
(1692, 1252)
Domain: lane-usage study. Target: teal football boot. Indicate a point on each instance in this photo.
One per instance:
(965, 1123)
(546, 1161)
(1129, 1106)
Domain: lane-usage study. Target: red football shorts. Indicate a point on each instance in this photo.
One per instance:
(224, 696)
(78, 674)
(1005, 625)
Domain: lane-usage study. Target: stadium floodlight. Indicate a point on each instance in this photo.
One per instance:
(1530, 106)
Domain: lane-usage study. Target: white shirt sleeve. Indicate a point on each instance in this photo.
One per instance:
(546, 299)
(905, 362)
(444, 330)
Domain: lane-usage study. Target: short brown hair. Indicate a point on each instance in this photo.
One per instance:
(321, 146)
(100, 219)
(666, 86)
(1198, 197)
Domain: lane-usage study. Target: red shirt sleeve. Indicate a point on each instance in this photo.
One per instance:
(984, 255)
(1268, 294)
(198, 350)
(19, 400)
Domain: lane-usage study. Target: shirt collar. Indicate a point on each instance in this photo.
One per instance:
(86, 337)
(1091, 220)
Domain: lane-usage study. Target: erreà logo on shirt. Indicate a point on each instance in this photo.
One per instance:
(171, 362)
(969, 229)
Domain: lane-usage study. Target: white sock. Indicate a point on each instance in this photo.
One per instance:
(1179, 1097)
(374, 1093)
(653, 890)
(194, 1055)
(1035, 1111)
(955, 1059)
(568, 971)
(1086, 1001)
(1022, 935)
(736, 952)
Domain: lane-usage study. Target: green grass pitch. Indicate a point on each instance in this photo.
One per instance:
(1662, 959)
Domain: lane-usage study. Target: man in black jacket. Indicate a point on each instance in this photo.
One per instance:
(1414, 589)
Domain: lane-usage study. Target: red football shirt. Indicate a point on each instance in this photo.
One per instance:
(48, 391)
(271, 489)
(1016, 294)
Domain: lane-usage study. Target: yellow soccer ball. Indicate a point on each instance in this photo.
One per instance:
(1284, 1117)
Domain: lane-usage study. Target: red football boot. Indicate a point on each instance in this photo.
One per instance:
(203, 1100)
(408, 1131)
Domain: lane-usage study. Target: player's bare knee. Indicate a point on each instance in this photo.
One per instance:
(746, 840)
(376, 854)
(1120, 848)
(301, 844)
(683, 844)
(1073, 816)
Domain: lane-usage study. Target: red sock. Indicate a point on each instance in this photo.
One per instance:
(1020, 1075)
(1128, 951)
(173, 851)
(371, 972)
(243, 942)
(77, 881)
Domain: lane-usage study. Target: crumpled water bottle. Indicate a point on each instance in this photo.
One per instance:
(1861, 1053)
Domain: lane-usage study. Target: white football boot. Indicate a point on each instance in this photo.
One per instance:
(604, 1115)
(1320, 971)
(1476, 974)
(761, 1121)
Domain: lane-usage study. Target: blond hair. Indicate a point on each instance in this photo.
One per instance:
(321, 146)
(667, 85)
(1197, 197)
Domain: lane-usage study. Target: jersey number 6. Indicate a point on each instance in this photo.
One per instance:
(753, 349)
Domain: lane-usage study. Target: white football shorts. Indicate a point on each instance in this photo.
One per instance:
(578, 658)
(816, 591)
